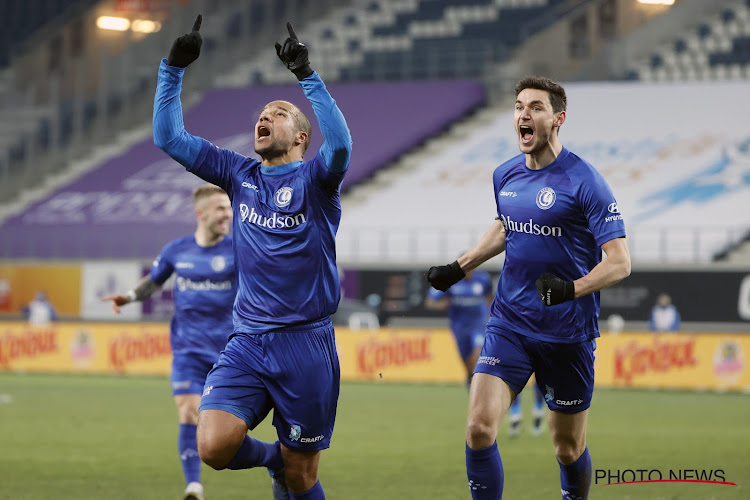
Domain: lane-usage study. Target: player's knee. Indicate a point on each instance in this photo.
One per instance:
(568, 452)
(479, 434)
(300, 480)
(213, 455)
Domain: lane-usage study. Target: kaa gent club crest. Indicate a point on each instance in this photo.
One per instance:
(283, 196)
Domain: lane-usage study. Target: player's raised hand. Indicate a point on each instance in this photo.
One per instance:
(117, 301)
(187, 48)
(443, 277)
(554, 290)
(294, 55)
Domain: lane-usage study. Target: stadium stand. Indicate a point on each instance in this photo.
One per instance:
(140, 188)
(490, 40)
(715, 49)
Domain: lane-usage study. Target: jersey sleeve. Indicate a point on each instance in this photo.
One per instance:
(168, 128)
(196, 154)
(600, 209)
(336, 149)
(216, 165)
(163, 267)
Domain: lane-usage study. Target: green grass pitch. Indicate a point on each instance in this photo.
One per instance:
(76, 437)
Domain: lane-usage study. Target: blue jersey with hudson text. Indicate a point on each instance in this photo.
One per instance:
(285, 217)
(556, 219)
(468, 310)
(204, 289)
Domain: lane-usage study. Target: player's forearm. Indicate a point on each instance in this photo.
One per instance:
(168, 128)
(610, 271)
(337, 148)
(144, 289)
(491, 245)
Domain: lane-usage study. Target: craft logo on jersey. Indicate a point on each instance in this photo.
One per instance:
(283, 196)
(545, 198)
(218, 263)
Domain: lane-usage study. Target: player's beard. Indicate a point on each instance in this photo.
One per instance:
(273, 150)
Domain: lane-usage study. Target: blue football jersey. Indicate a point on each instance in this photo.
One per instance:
(285, 217)
(468, 311)
(556, 219)
(204, 290)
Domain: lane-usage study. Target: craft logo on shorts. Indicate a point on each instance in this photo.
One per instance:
(545, 198)
(218, 263)
(283, 196)
(728, 361)
(295, 432)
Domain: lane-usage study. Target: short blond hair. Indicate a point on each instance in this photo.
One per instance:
(204, 191)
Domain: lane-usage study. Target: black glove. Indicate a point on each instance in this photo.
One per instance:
(553, 290)
(443, 277)
(294, 55)
(187, 48)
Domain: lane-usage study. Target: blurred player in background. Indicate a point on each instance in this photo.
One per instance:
(282, 355)
(537, 413)
(468, 311)
(555, 216)
(204, 291)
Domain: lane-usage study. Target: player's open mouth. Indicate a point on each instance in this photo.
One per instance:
(526, 132)
(263, 132)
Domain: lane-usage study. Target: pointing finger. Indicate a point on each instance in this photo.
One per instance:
(292, 34)
(197, 23)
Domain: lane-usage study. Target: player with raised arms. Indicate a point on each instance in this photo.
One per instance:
(282, 354)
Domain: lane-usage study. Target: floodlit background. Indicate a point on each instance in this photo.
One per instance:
(658, 100)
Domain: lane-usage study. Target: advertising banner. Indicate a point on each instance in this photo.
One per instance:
(399, 355)
(125, 348)
(674, 361)
(713, 361)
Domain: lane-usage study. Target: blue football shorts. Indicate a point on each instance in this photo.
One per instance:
(294, 371)
(189, 372)
(564, 372)
(468, 340)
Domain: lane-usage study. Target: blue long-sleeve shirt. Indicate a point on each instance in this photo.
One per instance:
(285, 217)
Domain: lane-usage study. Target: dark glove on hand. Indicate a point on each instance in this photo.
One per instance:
(186, 48)
(553, 290)
(294, 55)
(443, 277)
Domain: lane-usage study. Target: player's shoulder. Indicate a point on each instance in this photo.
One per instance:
(179, 244)
(578, 169)
(509, 166)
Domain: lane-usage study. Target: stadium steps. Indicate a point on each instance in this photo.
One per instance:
(388, 174)
(717, 48)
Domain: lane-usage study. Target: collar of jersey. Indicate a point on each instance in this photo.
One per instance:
(563, 154)
(280, 169)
